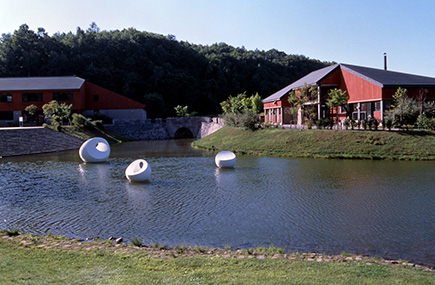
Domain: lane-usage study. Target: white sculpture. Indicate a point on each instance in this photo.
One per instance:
(225, 159)
(138, 171)
(95, 150)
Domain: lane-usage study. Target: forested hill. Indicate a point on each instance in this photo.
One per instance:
(151, 68)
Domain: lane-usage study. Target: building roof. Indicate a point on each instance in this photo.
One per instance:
(386, 78)
(41, 83)
(310, 79)
(379, 77)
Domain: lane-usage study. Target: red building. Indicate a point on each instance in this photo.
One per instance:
(86, 98)
(370, 92)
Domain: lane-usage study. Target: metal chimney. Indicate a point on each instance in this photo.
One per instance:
(385, 61)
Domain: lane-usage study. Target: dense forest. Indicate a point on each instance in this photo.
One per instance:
(154, 69)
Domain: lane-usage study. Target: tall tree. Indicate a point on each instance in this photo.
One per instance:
(338, 98)
(299, 98)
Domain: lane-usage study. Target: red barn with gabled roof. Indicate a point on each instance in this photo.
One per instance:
(17, 93)
(370, 92)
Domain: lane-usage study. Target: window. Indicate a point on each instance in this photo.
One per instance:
(378, 106)
(96, 98)
(63, 96)
(32, 97)
(5, 98)
(7, 116)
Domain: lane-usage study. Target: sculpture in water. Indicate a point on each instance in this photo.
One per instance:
(225, 159)
(95, 150)
(138, 171)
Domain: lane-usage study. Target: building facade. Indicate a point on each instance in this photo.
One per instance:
(86, 98)
(370, 92)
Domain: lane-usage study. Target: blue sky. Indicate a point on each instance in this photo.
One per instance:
(347, 31)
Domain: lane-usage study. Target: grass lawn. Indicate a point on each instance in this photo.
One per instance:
(418, 145)
(33, 260)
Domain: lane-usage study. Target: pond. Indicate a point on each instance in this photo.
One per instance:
(383, 208)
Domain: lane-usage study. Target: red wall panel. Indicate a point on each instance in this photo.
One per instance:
(360, 90)
(98, 98)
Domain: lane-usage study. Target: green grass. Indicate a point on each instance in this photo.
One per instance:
(352, 144)
(30, 263)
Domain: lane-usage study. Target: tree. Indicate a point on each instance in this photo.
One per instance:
(404, 109)
(300, 97)
(242, 111)
(421, 98)
(337, 98)
(31, 110)
(181, 111)
(55, 113)
(241, 103)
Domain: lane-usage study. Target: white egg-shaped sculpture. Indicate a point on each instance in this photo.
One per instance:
(138, 171)
(95, 150)
(225, 159)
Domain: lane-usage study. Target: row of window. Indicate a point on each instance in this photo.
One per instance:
(37, 97)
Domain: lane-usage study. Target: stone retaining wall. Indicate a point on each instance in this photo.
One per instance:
(160, 129)
(140, 130)
(34, 140)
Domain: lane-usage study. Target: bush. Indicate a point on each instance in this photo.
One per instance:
(325, 124)
(246, 120)
(78, 120)
(319, 124)
(364, 124)
(347, 123)
(423, 122)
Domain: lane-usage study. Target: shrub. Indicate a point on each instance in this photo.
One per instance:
(423, 122)
(364, 124)
(375, 124)
(319, 124)
(310, 125)
(347, 123)
(329, 123)
(246, 120)
(78, 120)
(388, 122)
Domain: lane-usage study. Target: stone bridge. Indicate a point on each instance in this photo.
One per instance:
(169, 128)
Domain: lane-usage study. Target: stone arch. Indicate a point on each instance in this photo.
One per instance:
(183, 133)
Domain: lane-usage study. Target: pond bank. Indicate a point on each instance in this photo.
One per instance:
(115, 245)
(346, 144)
(55, 260)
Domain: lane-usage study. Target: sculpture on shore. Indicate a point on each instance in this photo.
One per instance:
(95, 150)
(138, 171)
(225, 159)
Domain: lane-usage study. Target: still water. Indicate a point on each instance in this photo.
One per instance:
(383, 208)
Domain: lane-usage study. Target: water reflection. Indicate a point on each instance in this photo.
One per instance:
(369, 207)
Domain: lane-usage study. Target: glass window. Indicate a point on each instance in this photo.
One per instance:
(8, 115)
(5, 98)
(378, 106)
(32, 97)
(96, 98)
(63, 96)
